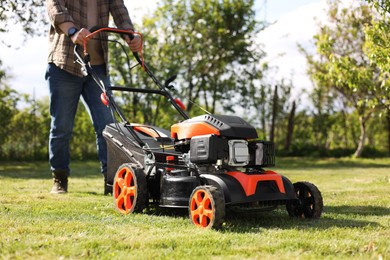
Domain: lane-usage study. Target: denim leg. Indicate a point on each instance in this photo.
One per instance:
(99, 113)
(65, 90)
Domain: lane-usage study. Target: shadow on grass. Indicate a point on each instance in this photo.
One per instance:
(41, 170)
(359, 210)
(167, 212)
(278, 219)
(330, 163)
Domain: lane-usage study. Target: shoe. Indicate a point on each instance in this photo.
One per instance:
(60, 179)
(107, 189)
(59, 187)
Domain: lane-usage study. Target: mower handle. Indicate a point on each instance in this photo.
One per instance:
(96, 29)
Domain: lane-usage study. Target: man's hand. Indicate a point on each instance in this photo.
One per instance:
(134, 44)
(79, 37)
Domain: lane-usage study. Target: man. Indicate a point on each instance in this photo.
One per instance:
(69, 22)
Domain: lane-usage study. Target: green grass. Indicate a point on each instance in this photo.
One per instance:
(84, 224)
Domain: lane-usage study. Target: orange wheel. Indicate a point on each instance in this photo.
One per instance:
(130, 189)
(207, 207)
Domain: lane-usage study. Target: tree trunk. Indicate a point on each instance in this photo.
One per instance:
(263, 124)
(362, 137)
(135, 107)
(263, 113)
(388, 131)
(190, 89)
(345, 128)
(290, 127)
(274, 112)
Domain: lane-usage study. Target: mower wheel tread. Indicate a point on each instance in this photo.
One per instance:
(207, 207)
(130, 189)
(310, 204)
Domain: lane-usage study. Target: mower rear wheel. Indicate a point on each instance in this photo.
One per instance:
(310, 203)
(207, 207)
(130, 189)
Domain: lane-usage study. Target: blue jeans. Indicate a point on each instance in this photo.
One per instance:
(65, 92)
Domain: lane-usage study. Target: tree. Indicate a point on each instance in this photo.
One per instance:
(8, 102)
(275, 101)
(268, 107)
(323, 108)
(30, 14)
(382, 6)
(210, 43)
(377, 48)
(341, 64)
(290, 127)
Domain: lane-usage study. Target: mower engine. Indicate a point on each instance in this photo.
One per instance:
(222, 141)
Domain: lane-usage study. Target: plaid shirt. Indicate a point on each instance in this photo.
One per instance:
(60, 11)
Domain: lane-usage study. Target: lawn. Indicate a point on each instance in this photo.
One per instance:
(84, 224)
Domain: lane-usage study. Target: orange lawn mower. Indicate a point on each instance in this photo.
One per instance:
(206, 164)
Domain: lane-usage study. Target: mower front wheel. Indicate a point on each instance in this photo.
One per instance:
(207, 207)
(130, 189)
(309, 204)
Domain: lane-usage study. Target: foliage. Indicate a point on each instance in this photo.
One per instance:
(24, 131)
(209, 44)
(382, 6)
(377, 49)
(9, 99)
(338, 139)
(84, 224)
(322, 116)
(2, 73)
(30, 14)
(341, 64)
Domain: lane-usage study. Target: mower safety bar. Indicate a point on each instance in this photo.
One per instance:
(140, 90)
(97, 29)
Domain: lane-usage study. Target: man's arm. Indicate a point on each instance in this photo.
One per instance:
(58, 15)
(62, 21)
(122, 20)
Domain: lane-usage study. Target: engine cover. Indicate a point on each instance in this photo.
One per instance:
(220, 125)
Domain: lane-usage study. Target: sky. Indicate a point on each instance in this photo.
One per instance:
(292, 23)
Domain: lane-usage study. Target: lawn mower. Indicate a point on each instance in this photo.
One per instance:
(207, 163)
